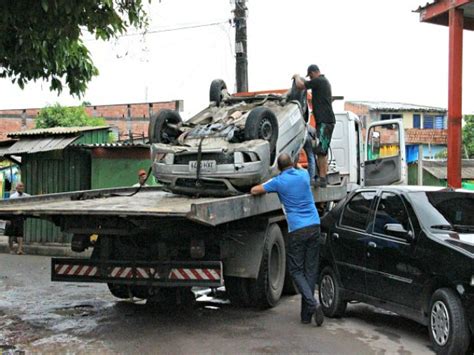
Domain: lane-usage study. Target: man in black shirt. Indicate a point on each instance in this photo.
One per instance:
(323, 113)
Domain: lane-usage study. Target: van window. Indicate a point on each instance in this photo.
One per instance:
(357, 210)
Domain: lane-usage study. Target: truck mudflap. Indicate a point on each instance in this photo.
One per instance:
(162, 274)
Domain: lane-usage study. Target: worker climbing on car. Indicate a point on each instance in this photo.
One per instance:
(323, 114)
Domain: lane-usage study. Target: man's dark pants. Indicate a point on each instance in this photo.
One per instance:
(303, 262)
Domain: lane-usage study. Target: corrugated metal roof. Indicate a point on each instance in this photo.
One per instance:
(438, 168)
(396, 106)
(36, 145)
(114, 145)
(55, 131)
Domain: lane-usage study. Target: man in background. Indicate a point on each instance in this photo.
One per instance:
(142, 175)
(14, 227)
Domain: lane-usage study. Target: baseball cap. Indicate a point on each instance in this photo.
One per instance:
(141, 172)
(311, 68)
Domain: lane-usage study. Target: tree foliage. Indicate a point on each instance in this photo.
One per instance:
(60, 116)
(468, 135)
(40, 39)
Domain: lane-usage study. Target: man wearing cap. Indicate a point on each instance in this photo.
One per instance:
(323, 113)
(141, 178)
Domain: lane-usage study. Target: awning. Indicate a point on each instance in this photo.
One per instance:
(37, 145)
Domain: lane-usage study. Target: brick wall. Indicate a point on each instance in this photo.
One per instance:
(115, 115)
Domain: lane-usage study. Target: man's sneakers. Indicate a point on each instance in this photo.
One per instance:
(319, 315)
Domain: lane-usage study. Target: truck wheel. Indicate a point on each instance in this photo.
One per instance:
(266, 291)
(215, 91)
(449, 331)
(237, 291)
(262, 123)
(119, 291)
(158, 129)
(302, 97)
(330, 294)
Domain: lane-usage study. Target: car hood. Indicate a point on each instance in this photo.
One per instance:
(461, 241)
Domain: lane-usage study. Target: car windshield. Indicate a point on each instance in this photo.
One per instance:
(445, 210)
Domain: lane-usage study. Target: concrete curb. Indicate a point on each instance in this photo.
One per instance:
(46, 249)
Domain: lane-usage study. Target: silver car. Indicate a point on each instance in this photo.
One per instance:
(230, 145)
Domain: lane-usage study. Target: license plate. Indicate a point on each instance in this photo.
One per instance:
(207, 166)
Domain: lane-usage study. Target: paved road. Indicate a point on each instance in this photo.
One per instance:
(40, 316)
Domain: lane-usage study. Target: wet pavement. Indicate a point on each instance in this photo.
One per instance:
(37, 315)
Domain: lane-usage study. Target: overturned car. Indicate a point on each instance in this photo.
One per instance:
(230, 145)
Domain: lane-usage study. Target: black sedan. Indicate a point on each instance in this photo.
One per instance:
(406, 249)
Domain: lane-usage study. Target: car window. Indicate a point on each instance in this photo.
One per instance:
(390, 209)
(357, 210)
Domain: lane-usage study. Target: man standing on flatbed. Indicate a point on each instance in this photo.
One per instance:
(323, 113)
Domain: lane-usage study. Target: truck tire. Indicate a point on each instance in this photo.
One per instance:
(262, 123)
(119, 291)
(266, 291)
(330, 294)
(215, 91)
(237, 291)
(158, 130)
(302, 97)
(448, 327)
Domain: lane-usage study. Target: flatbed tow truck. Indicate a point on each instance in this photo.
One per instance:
(152, 240)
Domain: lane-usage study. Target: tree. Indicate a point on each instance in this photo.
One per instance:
(40, 39)
(468, 135)
(60, 116)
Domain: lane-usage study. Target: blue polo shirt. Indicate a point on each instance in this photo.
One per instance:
(294, 191)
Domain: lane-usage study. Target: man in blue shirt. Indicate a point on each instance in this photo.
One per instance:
(293, 188)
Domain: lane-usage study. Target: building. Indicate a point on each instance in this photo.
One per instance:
(127, 121)
(424, 125)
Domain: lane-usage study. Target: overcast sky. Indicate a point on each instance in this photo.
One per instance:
(368, 49)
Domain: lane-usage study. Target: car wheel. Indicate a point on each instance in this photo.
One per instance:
(262, 123)
(449, 331)
(215, 91)
(265, 292)
(119, 291)
(302, 97)
(159, 130)
(330, 294)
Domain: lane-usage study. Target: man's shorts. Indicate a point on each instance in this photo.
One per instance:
(324, 132)
(15, 228)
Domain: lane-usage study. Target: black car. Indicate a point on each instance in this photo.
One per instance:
(406, 249)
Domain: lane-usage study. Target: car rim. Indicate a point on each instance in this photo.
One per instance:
(266, 130)
(440, 323)
(327, 291)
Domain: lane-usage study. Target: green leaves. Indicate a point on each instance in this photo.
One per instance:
(41, 39)
(468, 135)
(60, 116)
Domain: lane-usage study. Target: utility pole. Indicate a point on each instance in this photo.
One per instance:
(241, 64)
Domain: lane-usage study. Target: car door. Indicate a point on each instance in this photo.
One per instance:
(391, 265)
(385, 162)
(348, 240)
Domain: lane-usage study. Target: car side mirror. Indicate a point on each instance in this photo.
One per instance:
(397, 230)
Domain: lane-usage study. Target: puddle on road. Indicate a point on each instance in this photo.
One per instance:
(82, 310)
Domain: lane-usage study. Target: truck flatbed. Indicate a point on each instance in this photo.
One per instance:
(153, 202)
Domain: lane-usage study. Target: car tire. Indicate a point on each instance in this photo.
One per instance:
(262, 123)
(119, 291)
(330, 294)
(448, 327)
(302, 97)
(266, 290)
(158, 130)
(215, 91)
(237, 291)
